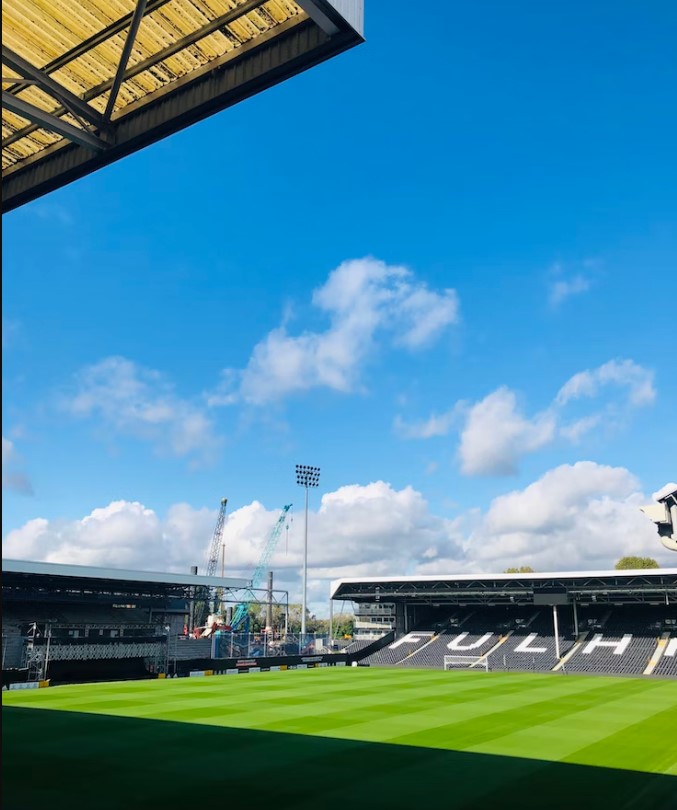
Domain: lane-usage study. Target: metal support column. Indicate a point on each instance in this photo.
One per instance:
(575, 619)
(305, 570)
(46, 662)
(555, 622)
(269, 606)
(191, 626)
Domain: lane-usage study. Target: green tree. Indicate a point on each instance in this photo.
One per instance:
(344, 626)
(313, 624)
(257, 620)
(634, 563)
(523, 569)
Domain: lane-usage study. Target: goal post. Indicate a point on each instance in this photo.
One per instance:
(466, 662)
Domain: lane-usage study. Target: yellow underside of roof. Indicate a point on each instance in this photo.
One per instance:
(41, 31)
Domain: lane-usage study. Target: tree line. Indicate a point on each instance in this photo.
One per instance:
(343, 625)
(629, 563)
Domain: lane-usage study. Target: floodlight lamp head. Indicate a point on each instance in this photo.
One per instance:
(307, 476)
(664, 515)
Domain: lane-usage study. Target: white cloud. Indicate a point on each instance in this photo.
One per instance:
(569, 280)
(496, 435)
(123, 534)
(620, 373)
(371, 528)
(576, 430)
(139, 402)
(575, 517)
(563, 289)
(13, 479)
(583, 516)
(366, 301)
(434, 425)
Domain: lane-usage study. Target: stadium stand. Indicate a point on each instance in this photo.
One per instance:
(474, 634)
(509, 637)
(102, 624)
(613, 622)
(82, 623)
(619, 640)
(12, 646)
(531, 645)
(625, 642)
(357, 646)
(403, 646)
(667, 665)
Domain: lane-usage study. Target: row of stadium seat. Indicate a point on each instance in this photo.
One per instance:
(627, 654)
(667, 665)
(618, 640)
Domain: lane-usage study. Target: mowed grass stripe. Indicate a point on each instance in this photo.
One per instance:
(498, 746)
(492, 707)
(358, 715)
(567, 738)
(557, 709)
(574, 718)
(225, 694)
(646, 745)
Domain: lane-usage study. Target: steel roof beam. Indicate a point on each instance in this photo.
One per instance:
(69, 100)
(96, 39)
(179, 45)
(165, 53)
(50, 122)
(284, 51)
(139, 11)
(316, 13)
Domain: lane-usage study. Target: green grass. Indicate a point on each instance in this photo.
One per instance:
(345, 738)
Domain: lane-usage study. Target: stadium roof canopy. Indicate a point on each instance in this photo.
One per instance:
(647, 585)
(86, 82)
(23, 575)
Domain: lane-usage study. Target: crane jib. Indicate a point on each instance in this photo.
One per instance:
(241, 613)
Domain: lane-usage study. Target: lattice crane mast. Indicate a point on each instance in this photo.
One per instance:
(216, 548)
(217, 540)
(241, 613)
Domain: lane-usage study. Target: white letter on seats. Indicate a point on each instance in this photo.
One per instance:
(457, 645)
(411, 638)
(671, 649)
(619, 646)
(524, 645)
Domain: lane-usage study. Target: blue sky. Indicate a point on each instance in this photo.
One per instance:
(390, 266)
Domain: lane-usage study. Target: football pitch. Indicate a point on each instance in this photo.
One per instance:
(344, 738)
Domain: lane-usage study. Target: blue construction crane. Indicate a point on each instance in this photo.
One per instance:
(240, 620)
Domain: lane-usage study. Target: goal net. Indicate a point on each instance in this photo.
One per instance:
(466, 662)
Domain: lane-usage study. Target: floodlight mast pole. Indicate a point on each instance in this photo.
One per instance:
(306, 477)
(305, 568)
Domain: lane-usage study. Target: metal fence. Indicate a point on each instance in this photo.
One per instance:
(261, 645)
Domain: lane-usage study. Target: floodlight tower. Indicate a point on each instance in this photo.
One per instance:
(306, 477)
